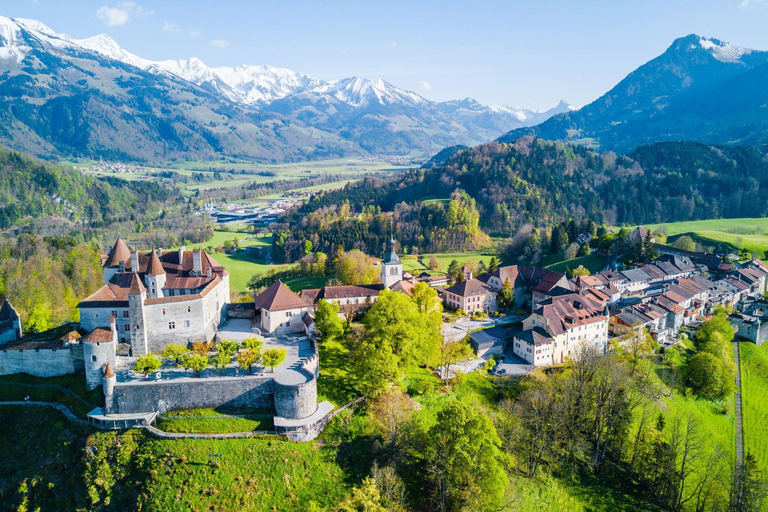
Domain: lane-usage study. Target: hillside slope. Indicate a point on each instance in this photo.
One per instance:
(699, 89)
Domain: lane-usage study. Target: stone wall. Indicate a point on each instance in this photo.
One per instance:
(296, 400)
(43, 362)
(190, 393)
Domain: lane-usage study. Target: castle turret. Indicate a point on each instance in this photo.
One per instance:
(108, 381)
(137, 294)
(391, 267)
(155, 276)
(116, 259)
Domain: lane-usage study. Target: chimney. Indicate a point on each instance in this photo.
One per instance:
(159, 252)
(122, 266)
(181, 255)
(135, 261)
(208, 272)
(113, 324)
(197, 261)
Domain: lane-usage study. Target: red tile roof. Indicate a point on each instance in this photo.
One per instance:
(118, 253)
(278, 297)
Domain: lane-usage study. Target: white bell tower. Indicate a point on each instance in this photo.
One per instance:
(391, 267)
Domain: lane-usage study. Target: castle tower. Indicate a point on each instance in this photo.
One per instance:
(118, 256)
(137, 294)
(108, 381)
(155, 276)
(391, 267)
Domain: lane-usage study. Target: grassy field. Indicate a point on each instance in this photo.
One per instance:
(209, 420)
(412, 264)
(556, 263)
(45, 467)
(249, 172)
(754, 384)
(751, 234)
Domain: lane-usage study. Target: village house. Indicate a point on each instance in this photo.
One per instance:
(561, 326)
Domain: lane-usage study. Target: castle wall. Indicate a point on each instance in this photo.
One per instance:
(42, 362)
(169, 395)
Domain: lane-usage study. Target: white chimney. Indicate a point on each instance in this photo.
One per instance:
(181, 255)
(197, 261)
(135, 261)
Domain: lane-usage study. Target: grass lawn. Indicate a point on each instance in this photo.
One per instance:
(411, 264)
(241, 233)
(211, 421)
(754, 385)
(751, 234)
(593, 262)
(241, 267)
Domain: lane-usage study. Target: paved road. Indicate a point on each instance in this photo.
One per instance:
(737, 408)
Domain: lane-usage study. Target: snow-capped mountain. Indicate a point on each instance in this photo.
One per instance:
(321, 118)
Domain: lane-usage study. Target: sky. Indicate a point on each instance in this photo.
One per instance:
(530, 54)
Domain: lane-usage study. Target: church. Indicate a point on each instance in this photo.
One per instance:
(277, 301)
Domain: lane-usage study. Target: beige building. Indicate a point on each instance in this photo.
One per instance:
(471, 296)
(281, 311)
(558, 327)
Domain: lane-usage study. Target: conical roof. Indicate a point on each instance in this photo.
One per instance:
(392, 256)
(136, 286)
(155, 268)
(109, 372)
(119, 252)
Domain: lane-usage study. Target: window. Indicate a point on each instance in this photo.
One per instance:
(93, 358)
(126, 314)
(171, 325)
(189, 309)
(289, 313)
(163, 311)
(186, 323)
(114, 313)
(127, 327)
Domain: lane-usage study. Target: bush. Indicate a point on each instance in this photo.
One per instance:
(704, 373)
(228, 347)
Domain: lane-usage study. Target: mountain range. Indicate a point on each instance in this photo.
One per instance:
(699, 89)
(61, 96)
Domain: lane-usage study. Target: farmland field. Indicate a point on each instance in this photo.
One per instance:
(754, 385)
(751, 234)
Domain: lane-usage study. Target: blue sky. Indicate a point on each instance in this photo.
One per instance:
(529, 53)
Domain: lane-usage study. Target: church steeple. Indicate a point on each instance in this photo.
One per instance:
(391, 266)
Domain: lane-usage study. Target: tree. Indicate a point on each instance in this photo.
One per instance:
(493, 264)
(247, 358)
(581, 270)
(649, 251)
(355, 267)
(221, 360)
(228, 347)
(559, 240)
(704, 374)
(374, 367)
(748, 488)
(583, 250)
(506, 299)
(571, 251)
(393, 411)
(329, 324)
(273, 357)
(638, 345)
(252, 343)
(464, 461)
(433, 264)
(195, 362)
(365, 498)
(685, 243)
(454, 272)
(147, 364)
(308, 247)
(174, 352)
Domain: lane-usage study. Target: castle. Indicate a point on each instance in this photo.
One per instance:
(157, 298)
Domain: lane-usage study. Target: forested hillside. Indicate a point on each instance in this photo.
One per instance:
(533, 181)
(32, 190)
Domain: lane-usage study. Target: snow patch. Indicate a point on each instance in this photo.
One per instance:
(724, 52)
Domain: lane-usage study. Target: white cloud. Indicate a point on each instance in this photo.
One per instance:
(747, 3)
(393, 44)
(425, 85)
(195, 33)
(171, 28)
(219, 43)
(121, 13)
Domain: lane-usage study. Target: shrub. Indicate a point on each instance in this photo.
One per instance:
(174, 352)
(229, 347)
